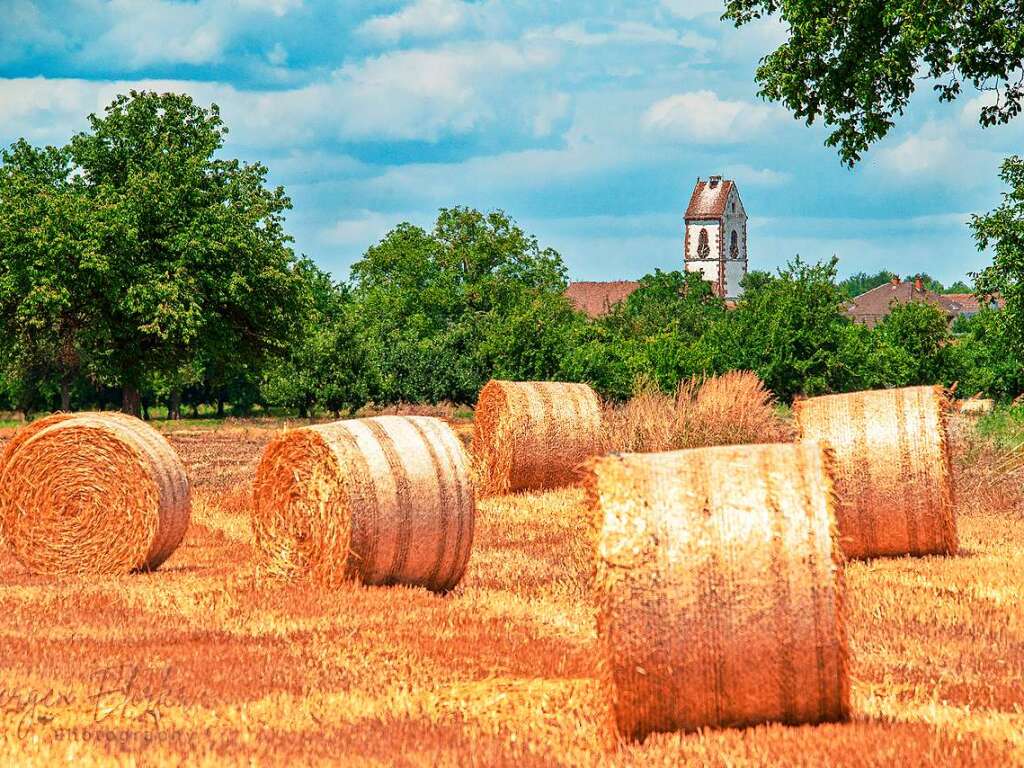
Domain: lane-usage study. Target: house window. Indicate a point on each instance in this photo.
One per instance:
(703, 249)
(734, 246)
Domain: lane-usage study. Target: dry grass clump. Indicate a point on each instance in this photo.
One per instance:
(92, 493)
(720, 588)
(988, 474)
(533, 435)
(384, 500)
(892, 468)
(731, 409)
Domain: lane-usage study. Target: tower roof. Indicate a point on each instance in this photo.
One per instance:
(709, 198)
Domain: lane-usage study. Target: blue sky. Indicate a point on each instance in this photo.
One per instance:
(588, 122)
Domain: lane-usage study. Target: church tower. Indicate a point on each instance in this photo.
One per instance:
(716, 235)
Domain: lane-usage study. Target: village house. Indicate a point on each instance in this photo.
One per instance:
(871, 307)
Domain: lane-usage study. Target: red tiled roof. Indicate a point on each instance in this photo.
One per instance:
(597, 298)
(707, 201)
(966, 302)
(871, 306)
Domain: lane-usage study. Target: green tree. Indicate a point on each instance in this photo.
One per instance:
(789, 329)
(959, 286)
(50, 267)
(192, 261)
(914, 339)
(325, 364)
(982, 358)
(862, 282)
(854, 64)
(659, 325)
(1003, 231)
(438, 310)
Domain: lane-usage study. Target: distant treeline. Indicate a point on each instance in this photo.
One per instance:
(138, 268)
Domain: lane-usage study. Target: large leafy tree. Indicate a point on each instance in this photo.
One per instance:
(440, 311)
(1003, 231)
(51, 265)
(854, 64)
(790, 329)
(325, 365)
(145, 252)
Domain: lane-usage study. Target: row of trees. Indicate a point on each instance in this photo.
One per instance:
(137, 266)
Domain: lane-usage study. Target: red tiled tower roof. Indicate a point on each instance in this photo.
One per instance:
(709, 199)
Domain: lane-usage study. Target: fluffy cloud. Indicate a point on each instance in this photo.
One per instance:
(412, 95)
(703, 117)
(425, 19)
(626, 33)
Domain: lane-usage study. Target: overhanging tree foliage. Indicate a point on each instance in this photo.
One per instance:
(854, 64)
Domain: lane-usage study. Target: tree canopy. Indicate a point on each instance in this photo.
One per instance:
(854, 64)
(139, 253)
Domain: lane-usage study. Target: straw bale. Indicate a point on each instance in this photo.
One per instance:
(92, 493)
(534, 435)
(383, 500)
(892, 469)
(720, 588)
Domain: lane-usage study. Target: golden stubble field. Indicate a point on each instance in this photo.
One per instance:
(205, 663)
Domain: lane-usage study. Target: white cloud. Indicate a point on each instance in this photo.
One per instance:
(276, 7)
(423, 19)
(364, 227)
(403, 95)
(703, 117)
(748, 176)
(146, 32)
(629, 32)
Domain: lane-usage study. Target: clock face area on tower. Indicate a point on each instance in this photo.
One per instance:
(715, 243)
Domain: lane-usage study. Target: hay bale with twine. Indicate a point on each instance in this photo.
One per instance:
(893, 474)
(92, 493)
(534, 435)
(720, 588)
(384, 500)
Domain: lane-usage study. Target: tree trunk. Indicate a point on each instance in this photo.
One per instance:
(220, 406)
(174, 408)
(131, 401)
(145, 411)
(65, 394)
(195, 410)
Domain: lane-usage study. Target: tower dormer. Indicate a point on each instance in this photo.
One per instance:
(715, 243)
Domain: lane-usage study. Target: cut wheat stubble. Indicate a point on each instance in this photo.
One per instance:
(893, 474)
(534, 435)
(383, 500)
(92, 493)
(720, 588)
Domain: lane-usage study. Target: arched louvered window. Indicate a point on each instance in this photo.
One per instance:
(734, 246)
(703, 249)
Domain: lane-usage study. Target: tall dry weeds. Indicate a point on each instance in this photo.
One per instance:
(731, 409)
(988, 475)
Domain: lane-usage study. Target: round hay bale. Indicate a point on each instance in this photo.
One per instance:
(92, 493)
(533, 435)
(720, 588)
(384, 500)
(893, 475)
